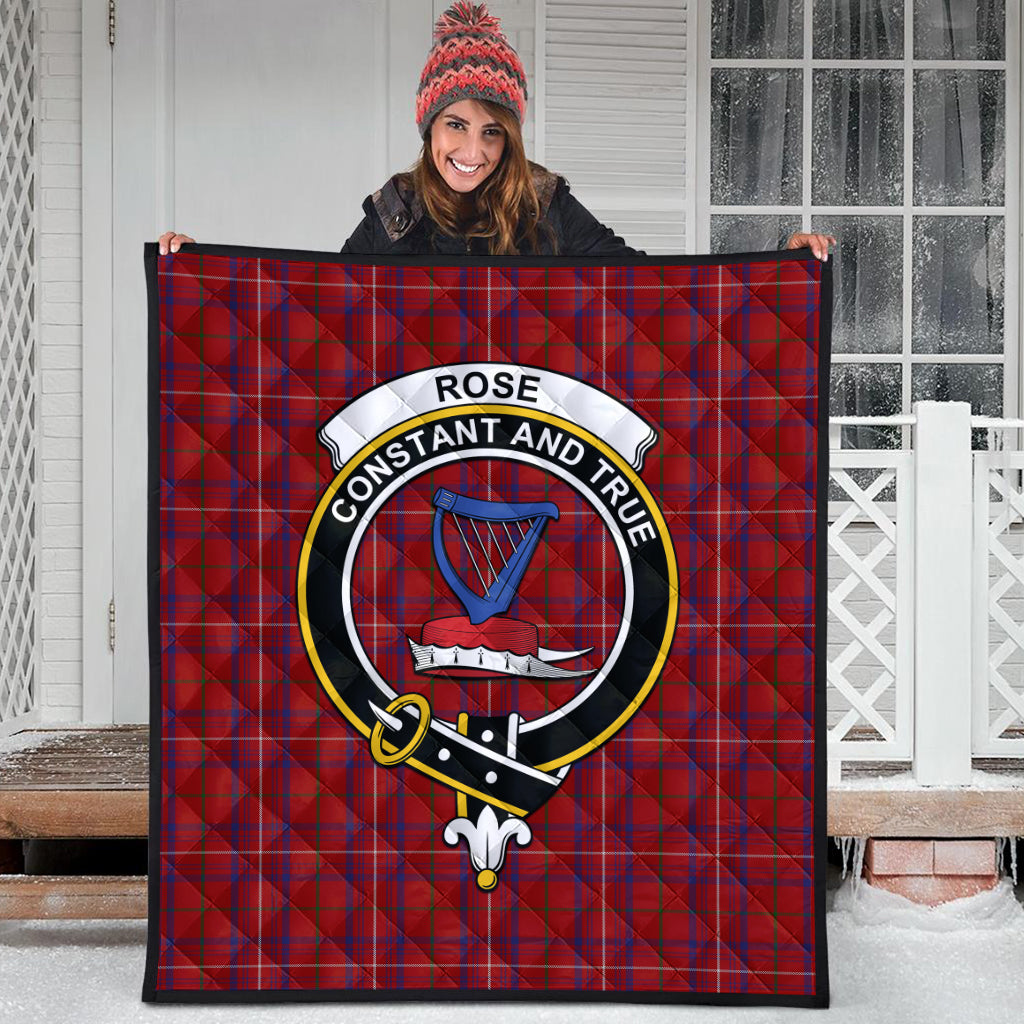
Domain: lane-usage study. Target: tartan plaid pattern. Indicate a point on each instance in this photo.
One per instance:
(682, 860)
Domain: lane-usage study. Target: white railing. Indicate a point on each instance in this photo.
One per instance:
(19, 368)
(926, 595)
(871, 550)
(998, 594)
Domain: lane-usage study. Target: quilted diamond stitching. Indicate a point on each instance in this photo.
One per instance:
(295, 733)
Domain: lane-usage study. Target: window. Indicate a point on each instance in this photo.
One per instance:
(894, 126)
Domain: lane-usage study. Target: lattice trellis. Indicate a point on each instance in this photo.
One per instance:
(18, 387)
(998, 604)
(870, 665)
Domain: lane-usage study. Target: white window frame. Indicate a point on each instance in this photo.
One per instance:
(1014, 189)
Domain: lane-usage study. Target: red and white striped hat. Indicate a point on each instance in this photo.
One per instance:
(470, 59)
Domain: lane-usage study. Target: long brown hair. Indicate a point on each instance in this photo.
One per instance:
(504, 206)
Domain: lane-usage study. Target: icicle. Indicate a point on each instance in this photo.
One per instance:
(851, 851)
(1003, 844)
(859, 846)
(843, 842)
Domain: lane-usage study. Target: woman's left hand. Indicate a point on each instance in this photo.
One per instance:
(819, 243)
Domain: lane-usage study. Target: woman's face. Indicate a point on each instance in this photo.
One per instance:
(466, 144)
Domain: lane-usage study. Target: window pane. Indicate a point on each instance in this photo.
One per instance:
(858, 29)
(958, 284)
(756, 136)
(757, 28)
(867, 309)
(959, 138)
(760, 232)
(959, 30)
(866, 389)
(857, 138)
(981, 384)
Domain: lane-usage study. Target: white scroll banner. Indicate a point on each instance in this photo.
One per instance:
(471, 385)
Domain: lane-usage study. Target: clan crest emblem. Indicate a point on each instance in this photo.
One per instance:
(487, 589)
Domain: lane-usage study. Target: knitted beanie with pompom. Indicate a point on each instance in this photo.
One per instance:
(470, 60)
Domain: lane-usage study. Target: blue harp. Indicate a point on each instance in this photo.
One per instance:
(507, 531)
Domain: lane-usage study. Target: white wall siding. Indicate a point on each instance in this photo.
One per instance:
(616, 113)
(60, 273)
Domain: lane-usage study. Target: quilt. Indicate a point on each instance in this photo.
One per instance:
(487, 605)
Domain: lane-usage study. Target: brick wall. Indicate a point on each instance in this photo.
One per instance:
(60, 334)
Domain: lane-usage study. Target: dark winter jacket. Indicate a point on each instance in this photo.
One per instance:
(396, 223)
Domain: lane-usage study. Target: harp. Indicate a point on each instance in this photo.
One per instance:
(499, 539)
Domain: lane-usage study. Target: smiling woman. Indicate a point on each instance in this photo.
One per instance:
(472, 189)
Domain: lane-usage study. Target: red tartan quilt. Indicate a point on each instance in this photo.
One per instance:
(487, 627)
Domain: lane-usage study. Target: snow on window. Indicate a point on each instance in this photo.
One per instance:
(867, 307)
(751, 232)
(857, 137)
(770, 28)
(964, 30)
(959, 137)
(981, 384)
(756, 136)
(958, 285)
(862, 154)
(865, 389)
(858, 30)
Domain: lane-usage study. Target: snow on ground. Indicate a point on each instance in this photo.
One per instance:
(890, 960)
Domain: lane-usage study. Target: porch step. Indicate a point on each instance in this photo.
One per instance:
(68, 758)
(24, 897)
(75, 783)
(73, 814)
(882, 800)
(93, 784)
(71, 784)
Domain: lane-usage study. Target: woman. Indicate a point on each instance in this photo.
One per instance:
(473, 190)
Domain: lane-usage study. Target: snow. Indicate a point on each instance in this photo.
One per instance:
(38, 739)
(987, 911)
(980, 780)
(851, 849)
(890, 960)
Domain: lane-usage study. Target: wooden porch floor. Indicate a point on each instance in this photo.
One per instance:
(93, 783)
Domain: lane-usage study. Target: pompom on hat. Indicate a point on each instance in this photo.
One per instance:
(470, 60)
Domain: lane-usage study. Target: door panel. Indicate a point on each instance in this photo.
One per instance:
(242, 121)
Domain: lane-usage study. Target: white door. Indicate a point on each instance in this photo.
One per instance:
(252, 122)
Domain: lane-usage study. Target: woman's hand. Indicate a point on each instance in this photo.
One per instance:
(172, 241)
(818, 243)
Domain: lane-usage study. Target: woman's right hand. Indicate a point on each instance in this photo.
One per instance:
(172, 241)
